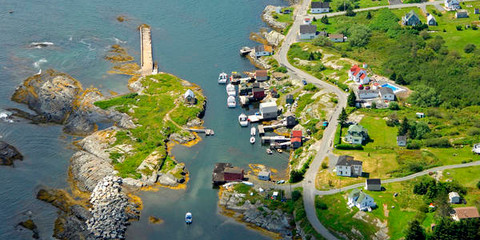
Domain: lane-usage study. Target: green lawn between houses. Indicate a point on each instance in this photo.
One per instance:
(335, 4)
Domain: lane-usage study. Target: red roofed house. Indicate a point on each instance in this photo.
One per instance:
(358, 75)
(297, 134)
(233, 174)
(296, 142)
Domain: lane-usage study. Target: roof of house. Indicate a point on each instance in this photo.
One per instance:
(363, 75)
(375, 181)
(358, 193)
(307, 28)
(462, 11)
(264, 174)
(356, 128)
(261, 48)
(289, 96)
(261, 73)
(367, 91)
(431, 17)
(346, 160)
(466, 212)
(189, 93)
(235, 170)
(453, 194)
(411, 15)
(401, 138)
(320, 5)
(296, 139)
(386, 90)
(335, 36)
(296, 133)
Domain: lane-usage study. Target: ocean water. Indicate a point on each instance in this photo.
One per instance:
(194, 40)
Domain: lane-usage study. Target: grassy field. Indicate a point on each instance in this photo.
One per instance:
(339, 218)
(163, 94)
(335, 4)
(468, 177)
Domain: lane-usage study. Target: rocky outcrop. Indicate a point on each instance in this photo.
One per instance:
(270, 20)
(30, 225)
(57, 97)
(258, 62)
(8, 154)
(109, 211)
(274, 38)
(256, 213)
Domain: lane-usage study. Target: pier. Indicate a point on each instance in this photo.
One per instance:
(274, 139)
(208, 132)
(146, 59)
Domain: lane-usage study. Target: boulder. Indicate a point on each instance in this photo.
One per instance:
(30, 225)
(8, 154)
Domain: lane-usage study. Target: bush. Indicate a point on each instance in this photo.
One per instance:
(393, 106)
(322, 41)
(296, 176)
(310, 87)
(414, 145)
(296, 195)
(478, 184)
(469, 48)
(349, 147)
(438, 142)
(459, 27)
(324, 165)
(321, 205)
(281, 69)
(473, 131)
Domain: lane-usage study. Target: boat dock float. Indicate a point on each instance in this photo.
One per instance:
(269, 139)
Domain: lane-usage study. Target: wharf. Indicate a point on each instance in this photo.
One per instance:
(146, 58)
(274, 139)
(254, 118)
(208, 132)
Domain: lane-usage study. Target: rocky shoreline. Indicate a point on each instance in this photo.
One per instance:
(270, 20)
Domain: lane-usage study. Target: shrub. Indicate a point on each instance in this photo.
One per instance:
(459, 27)
(296, 176)
(349, 147)
(322, 41)
(296, 195)
(393, 106)
(321, 205)
(281, 69)
(469, 48)
(310, 87)
(414, 145)
(324, 165)
(473, 131)
(438, 142)
(478, 184)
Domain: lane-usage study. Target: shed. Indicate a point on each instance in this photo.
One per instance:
(431, 20)
(291, 121)
(258, 93)
(268, 110)
(264, 175)
(289, 99)
(420, 115)
(296, 142)
(402, 141)
(337, 37)
(461, 14)
(261, 75)
(296, 134)
(233, 174)
(373, 184)
(476, 11)
(189, 97)
(263, 50)
(454, 197)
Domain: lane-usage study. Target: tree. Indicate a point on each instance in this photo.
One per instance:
(415, 231)
(393, 106)
(352, 99)
(324, 19)
(404, 127)
(478, 184)
(359, 36)
(322, 41)
(369, 15)
(469, 48)
(425, 96)
(343, 117)
(400, 80)
(350, 13)
(393, 76)
(314, 19)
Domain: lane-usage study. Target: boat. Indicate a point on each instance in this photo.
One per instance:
(231, 102)
(244, 51)
(231, 90)
(269, 151)
(279, 150)
(253, 131)
(252, 140)
(222, 78)
(188, 218)
(243, 120)
(235, 78)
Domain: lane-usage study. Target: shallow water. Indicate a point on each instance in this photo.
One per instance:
(194, 40)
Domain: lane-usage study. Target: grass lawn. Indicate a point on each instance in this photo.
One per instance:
(468, 177)
(340, 219)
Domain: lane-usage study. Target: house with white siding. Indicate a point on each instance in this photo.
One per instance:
(386, 93)
(357, 198)
(320, 7)
(347, 167)
(307, 31)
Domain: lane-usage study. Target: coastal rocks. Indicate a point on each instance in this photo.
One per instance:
(258, 62)
(182, 138)
(8, 154)
(57, 97)
(274, 38)
(256, 213)
(155, 220)
(30, 225)
(109, 212)
(270, 20)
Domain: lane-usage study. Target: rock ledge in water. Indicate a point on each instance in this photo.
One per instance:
(8, 154)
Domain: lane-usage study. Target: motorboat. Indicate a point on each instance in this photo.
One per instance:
(235, 78)
(231, 102)
(243, 120)
(244, 51)
(279, 150)
(253, 131)
(252, 140)
(188, 218)
(269, 151)
(231, 90)
(222, 78)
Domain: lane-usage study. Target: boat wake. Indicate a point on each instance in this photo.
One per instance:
(37, 64)
(89, 45)
(118, 41)
(40, 44)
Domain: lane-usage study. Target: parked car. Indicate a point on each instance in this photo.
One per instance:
(281, 182)
(304, 82)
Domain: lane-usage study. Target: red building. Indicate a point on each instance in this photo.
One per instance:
(258, 93)
(297, 134)
(233, 174)
(296, 142)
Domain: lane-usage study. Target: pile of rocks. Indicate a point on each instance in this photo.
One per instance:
(109, 218)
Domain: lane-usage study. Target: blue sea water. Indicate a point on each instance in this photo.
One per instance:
(194, 40)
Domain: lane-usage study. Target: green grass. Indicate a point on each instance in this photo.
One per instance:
(361, 4)
(163, 93)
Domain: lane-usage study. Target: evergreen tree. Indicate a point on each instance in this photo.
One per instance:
(350, 12)
(393, 76)
(415, 231)
(369, 15)
(404, 127)
(324, 19)
(342, 118)
(351, 99)
(400, 80)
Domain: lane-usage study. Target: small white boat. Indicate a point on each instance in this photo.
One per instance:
(269, 151)
(243, 120)
(188, 218)
(253, 131)
(247, 183)
(279, 150)
(231, 90)
(231, 102)
(222, 78)
(252, 140)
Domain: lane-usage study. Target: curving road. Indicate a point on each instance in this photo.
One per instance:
(308, 184)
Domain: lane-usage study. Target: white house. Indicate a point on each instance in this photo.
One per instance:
(420, 115)
(189, 97)
(461, 14)
(263, 50)
(358, 75)
(454, 197)
(361, 200)
(476, 148)
(367, 94)
(452, 5)
(320, 7)
(307, 31)
(356, 134)
(264, 175)
(348, 167)
(431, 21)
(268, 110)
(386, 93)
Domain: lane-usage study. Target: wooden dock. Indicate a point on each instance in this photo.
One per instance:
(146, 58)
(274, 139)
(208, 132)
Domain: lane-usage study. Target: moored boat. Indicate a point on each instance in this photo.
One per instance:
(269, 151)
(243, 120)
(188, 218)
(222, 78)
(244, 51)
(231, 102)
(253, 131)
(252, 140)
(235, 78)
(231, 90)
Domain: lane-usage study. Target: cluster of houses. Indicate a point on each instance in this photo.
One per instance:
(412, 19)
(461, 213)
(308, 31)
